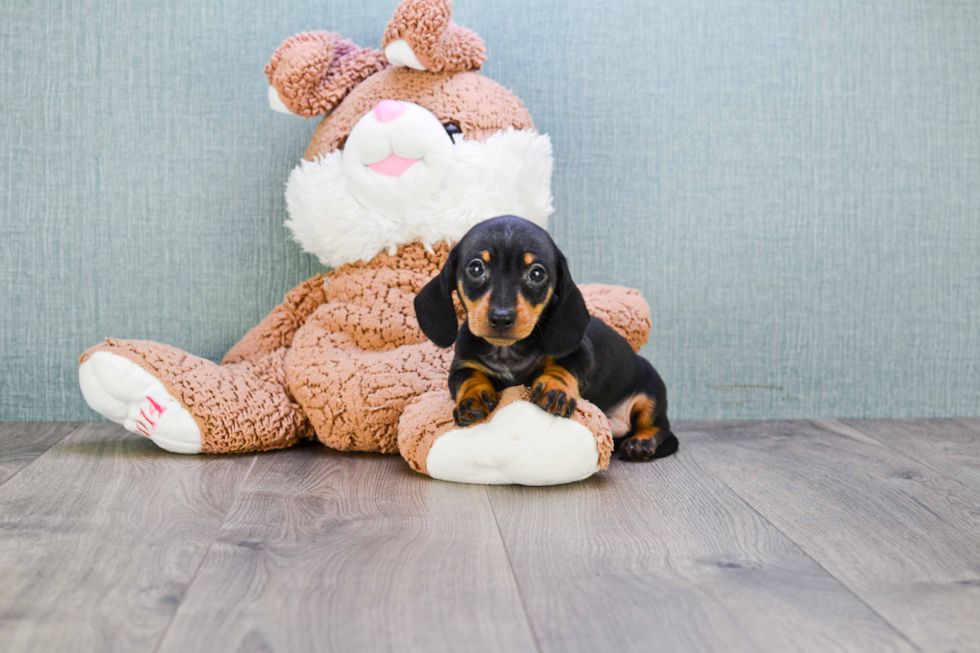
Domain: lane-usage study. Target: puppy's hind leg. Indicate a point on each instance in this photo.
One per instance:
(650, 436)
(648, 443)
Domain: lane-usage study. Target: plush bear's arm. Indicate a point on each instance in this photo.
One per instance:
(279, 326)
(624, 309)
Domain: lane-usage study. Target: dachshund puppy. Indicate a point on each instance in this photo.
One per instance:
(527, 324)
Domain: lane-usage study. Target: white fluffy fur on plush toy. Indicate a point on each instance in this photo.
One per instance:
(454, 186)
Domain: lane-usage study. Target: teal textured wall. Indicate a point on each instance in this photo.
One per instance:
(793, 184)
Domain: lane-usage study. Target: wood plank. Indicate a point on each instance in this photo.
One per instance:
(22, 442)
(329, 551)
(903, 537)
(950, 446)
(661, 556)
(100, 537)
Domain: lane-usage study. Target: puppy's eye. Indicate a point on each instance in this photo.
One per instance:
(536, 274)
(453, 130)
(476, 269)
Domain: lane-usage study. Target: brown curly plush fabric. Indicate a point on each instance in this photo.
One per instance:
(479, 105)
(314, 71)
(361, 357)
(430, 416)
(339, 359)
(624, 309)
(438, 43)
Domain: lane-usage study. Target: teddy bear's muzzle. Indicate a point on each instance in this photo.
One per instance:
(396, 157)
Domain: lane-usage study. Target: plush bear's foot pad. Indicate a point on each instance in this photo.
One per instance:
(122, 391)
(518, 444)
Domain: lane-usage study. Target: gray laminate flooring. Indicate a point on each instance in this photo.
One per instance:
(756, 536)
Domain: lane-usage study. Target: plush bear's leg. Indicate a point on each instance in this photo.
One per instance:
(354, 397)
(187, 404)
(518, 444)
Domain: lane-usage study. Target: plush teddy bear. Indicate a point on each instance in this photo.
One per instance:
(415, 148)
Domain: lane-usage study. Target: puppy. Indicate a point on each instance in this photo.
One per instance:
(527, 324)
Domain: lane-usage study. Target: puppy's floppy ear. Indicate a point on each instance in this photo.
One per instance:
(434, 305)
(569, 316)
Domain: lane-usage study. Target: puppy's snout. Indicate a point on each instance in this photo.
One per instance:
(502, 319)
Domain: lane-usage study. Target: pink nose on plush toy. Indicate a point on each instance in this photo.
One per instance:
(388, 110)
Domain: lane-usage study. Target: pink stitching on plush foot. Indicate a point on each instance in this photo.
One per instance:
(127, 394)
(154, 407)
(157, 407)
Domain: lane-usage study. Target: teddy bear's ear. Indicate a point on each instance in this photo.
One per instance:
(312, 72)
(423, 36)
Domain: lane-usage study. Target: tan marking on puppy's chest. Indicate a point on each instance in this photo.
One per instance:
(476, 365)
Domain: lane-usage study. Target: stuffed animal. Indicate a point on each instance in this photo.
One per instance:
(415, 147)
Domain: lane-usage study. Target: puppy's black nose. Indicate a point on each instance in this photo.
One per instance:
(502, 319)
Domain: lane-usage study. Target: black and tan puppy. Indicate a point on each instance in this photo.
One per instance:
(527, 324)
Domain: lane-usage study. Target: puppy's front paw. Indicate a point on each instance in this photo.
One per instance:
(554, 396)
(474, 407)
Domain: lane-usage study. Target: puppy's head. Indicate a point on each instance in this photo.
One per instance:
(512, 279)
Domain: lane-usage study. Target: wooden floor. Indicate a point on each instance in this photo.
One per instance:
(757, 536)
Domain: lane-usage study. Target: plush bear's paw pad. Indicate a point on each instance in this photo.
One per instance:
(122, 391)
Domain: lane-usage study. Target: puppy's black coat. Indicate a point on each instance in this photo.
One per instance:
(527, 324)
